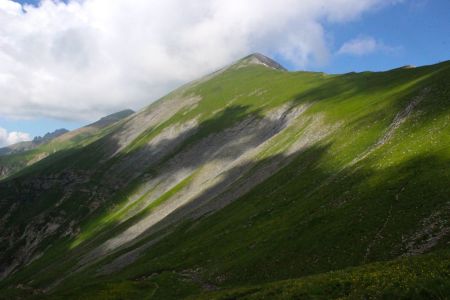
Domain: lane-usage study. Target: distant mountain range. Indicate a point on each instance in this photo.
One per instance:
(28, 145)
(252, 182)
(24, 154)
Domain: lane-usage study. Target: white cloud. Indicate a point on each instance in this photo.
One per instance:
(84, 59)
(13, 137)
(364, 45)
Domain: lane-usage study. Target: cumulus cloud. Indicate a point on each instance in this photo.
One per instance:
(13, 137)
(364, 45)
(80, 59)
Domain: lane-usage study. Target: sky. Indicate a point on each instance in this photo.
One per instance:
(64, 64)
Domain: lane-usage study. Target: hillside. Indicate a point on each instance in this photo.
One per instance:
(241, 180)
(18, 156)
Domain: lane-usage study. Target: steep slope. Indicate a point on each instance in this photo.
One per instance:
(16, 157)
(249, 175)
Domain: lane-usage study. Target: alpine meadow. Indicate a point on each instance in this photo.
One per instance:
(253, 182)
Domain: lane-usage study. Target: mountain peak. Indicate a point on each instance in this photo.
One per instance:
(260, 59)
(49, 136)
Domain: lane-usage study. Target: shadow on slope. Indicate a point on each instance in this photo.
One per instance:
(284, 228)
(62, 191)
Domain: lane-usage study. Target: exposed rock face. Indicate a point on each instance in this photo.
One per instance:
(212, 163)
(4, 171)
(24, 244)
(146, 119)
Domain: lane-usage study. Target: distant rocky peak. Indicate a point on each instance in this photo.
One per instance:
(49, 136)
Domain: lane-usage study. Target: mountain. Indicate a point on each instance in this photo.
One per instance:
(28, 145)
(49, 136)
(252, 182)
(259, 59)
(16, 157)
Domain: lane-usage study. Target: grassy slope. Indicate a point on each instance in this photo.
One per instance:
(324, 214)
(424, 277)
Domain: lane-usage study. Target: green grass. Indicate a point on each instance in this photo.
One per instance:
(166, 285)
(412, 278)
(318, 214)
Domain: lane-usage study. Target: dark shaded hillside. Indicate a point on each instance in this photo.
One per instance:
(248, 176)
(424, 277)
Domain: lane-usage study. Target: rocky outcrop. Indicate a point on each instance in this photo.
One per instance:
(49, 136)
